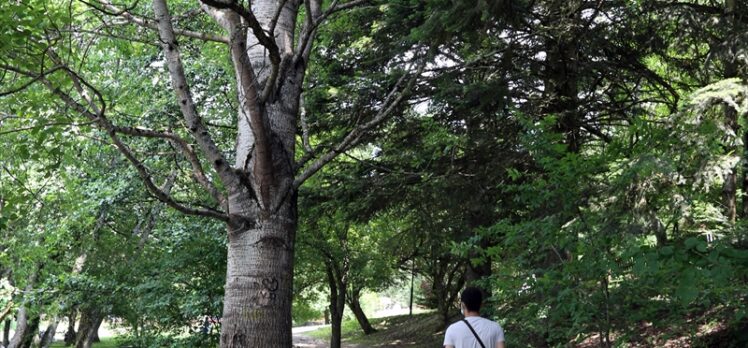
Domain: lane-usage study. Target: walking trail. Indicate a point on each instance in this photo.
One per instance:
(301, 340)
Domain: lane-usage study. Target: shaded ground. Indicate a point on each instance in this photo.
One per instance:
(418, 331)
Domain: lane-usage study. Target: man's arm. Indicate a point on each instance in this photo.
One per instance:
(449, 341)
(500, 344)
(454, 347)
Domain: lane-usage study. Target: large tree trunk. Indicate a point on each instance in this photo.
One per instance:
(88, 328)
(257, 301)
(355, 305)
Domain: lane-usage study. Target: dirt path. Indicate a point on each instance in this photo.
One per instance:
(303, 341)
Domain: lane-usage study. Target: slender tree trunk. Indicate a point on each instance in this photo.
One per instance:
(355, 305)
(31, 337)
(6, 333)
(745, 173)
(337, 305)
(730, 186)
(412, 277)
(729, 190)
(22, 327)
(70, 333)
(658, 229)
(49, 334)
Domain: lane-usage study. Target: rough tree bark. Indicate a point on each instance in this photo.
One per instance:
(88, 328)
(257, 195)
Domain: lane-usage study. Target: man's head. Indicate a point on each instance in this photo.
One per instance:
(472, 298)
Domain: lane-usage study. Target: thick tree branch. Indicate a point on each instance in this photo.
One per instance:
(186, 103)
(251, 105)
(186, 150)
(181, 144)
(262, 37)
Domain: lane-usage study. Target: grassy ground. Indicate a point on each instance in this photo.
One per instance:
(106, 342)
(419, 331)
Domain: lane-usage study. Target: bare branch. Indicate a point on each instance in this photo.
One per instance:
(51, 124)
(314, 19)
(105, 124)
(28, 83)
(354, 136)
(277, 14)
(151, 24)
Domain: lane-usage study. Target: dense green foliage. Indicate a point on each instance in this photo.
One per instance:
(583, 162)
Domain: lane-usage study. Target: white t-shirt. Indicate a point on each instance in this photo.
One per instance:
(460, 336)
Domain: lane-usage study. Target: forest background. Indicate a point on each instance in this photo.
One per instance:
(583, 162)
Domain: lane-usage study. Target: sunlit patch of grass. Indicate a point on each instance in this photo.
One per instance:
(106, 342)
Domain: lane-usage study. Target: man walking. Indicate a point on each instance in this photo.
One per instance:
(473, 331)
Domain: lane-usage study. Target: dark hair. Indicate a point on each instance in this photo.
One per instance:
(472, 298)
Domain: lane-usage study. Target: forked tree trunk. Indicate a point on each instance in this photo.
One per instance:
(337, 305)
(269, 66)
(49, 334)
(355, 305)
(88, 329)
(260, 184)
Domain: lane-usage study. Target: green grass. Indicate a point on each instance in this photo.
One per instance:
(419, 331)
(350, 330)
(106, 342)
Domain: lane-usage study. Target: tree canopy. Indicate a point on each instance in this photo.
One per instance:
(210, 173)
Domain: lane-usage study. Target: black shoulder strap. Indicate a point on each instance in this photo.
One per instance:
(474, 333)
